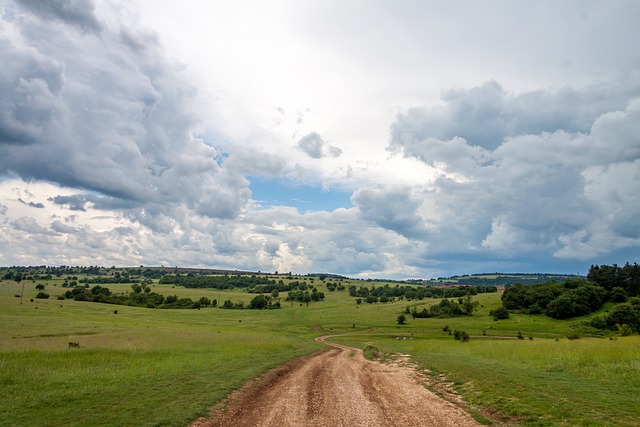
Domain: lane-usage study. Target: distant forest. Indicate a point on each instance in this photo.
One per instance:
(502, 279)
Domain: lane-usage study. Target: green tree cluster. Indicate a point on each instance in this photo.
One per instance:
(609, 277)
(574, 297)
(140, 296)
(448, 308)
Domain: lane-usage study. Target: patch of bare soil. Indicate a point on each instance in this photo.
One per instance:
(338, 387)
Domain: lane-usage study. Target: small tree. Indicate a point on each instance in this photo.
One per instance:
(500, 313)
(402, 319)
(461, 336)
(624, 330)
(468, 305)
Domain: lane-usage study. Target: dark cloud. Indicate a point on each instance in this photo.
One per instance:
(72, 12)
(485, 115)
(316, 147)
(32, 204)
(108, 114)
(391, 208)
(75, 203)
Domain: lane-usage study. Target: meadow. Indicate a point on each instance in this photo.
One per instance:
(138, 366)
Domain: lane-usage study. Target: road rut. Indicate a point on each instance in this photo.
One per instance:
(335, 388)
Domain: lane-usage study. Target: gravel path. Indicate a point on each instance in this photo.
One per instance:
(335, 388)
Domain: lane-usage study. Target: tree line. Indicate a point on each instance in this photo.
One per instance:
(141, 296)
(215, 282)
(388, 293)
(578, 297)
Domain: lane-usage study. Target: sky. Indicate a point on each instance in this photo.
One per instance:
(374, 139)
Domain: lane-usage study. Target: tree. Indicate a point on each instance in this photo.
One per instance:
(258, 302)
(618, 294)
(500, 313)
(468, 306)
(402, 319)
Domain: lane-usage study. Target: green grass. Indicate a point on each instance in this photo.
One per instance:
(542, 382)
(168, 367)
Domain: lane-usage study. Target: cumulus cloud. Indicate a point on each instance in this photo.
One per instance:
(485, 115)
(526, 185)
(103, 110)
(391, 208)
(316, 147)
(108, 155)
(75, 13)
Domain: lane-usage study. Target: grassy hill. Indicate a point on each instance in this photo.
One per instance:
(137, 366)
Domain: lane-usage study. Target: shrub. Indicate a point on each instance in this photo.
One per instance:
(624, 330)
(42, 295)
(461, 336)
(618, 294)
(401, 319)
(371, 352)
(500, 313)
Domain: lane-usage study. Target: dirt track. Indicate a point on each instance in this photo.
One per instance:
(337, 387)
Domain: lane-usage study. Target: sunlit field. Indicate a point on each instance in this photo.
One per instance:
(138, 366)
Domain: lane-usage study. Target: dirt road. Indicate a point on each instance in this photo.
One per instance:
(337, 387)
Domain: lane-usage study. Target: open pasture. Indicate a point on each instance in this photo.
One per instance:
(167, 367)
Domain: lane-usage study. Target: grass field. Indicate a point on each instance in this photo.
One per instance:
(167, 367)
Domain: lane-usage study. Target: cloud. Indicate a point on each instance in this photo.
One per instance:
(486, 115)
(567, 186)
(75, 13)
(32, 204)
(113, 153)
(106, 112)
(391, 208)
(315, 147)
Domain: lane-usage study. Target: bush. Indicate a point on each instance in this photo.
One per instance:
(618, 294)
(500, 313)
(42, 295)
(371, 352)
(461, 336)
(624, 330)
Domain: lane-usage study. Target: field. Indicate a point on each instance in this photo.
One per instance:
(157, 367)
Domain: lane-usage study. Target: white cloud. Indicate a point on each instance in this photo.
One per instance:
(462, 150)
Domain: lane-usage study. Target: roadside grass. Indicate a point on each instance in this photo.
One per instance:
(168, 367)
(136, 367)
(587, 382)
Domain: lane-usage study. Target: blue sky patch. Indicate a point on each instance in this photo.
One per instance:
(279, 192)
